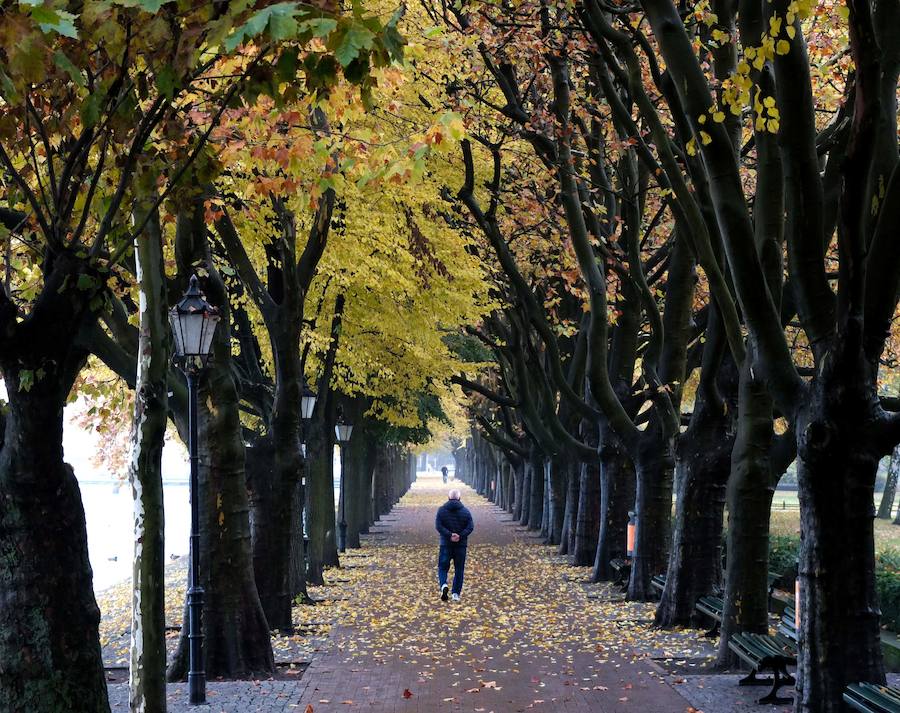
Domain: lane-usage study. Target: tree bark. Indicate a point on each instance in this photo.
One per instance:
(558, 477)
(147, 666)
(573, 487)
(536, 499)
(749, 495)
(653, 505)
(49, 620)
(695, 564)
(587, 518)
(886, 507)
(271, 501)
(617, 493)
(525, 505)
(49, 640)
(236, 640)
(320, 509)
(839, 630)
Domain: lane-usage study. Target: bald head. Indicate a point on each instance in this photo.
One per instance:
(453, 495)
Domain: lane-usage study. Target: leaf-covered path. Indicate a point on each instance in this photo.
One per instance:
(523, 638)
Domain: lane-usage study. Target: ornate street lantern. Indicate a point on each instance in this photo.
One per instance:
(193, 321)
(307, 403)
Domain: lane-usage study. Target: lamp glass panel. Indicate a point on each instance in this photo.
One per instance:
(342, 431)
(175, 323)
(307, 406)
(191, 325)
(208, 330)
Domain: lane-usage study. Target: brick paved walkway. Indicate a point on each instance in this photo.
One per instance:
(524, 638)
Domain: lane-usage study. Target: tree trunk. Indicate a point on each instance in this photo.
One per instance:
(272, 548)
(695, 564)
(890, 487)
(536, 500)
(617, 490)
(545, 511)
(653, 505)
(749, 496)
(236, 640)
(839, 616)
(49, 639)
(519, 488)
(321, 522)
(587, 518)
(271, 501)
(558, 483)
(525, 505)
(147, 667)
(573, 483)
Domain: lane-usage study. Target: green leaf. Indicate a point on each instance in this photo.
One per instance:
(279, 18)
(319, 26)
(65, 64)
(391, 38)
(150, 6)
(282, 27)
(7, 89)
(50, 20)
(286, 67)
(355, 39)
(26, 380)
(165, 82)
(90, 111)
(86, 282)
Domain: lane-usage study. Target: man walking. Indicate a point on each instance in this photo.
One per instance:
(454, 523)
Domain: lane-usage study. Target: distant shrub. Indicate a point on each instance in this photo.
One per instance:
(887, 582)
(783, 553)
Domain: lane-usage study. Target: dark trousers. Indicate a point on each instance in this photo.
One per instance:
(455, 553)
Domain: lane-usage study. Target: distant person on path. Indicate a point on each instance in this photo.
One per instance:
(444, 473)
(454, 523)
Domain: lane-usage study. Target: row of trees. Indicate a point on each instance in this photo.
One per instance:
(143, 142)
(692, 213)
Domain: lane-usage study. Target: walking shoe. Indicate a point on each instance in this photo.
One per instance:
(455, 597)
(445, 591)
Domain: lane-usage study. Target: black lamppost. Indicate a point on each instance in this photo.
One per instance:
(342, 431)
(307, 406)
(193, 322)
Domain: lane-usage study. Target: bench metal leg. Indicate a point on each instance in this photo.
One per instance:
(777, 682)
(752, 680)
(713, 633)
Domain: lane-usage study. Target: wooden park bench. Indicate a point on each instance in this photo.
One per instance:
(713, 607)
(622, 568)
(763, 652)
(872, 698)
(658, 583)
(788, 625)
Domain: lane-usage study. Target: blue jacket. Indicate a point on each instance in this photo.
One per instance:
(452, 517)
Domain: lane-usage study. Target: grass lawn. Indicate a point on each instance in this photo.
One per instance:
(786, 520)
